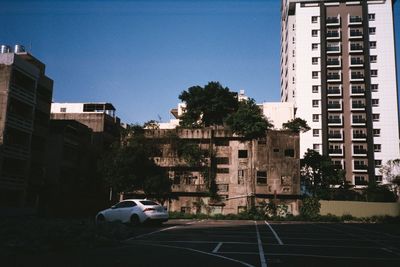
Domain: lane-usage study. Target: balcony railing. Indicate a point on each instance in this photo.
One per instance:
(334, 106)
(336, 151)
(356, 120)
(356, 47)
(357, 91)
(356, 34)
(357, 76)
(361, 182)
(334, 135)
(333, 49)
(334, 34)
(189, 188)
(333, 77)
(359, 135)
(337, 166)
(360, 151)
(355, 61)
(360, 167)
(357, 105)
(333, 91)
(355, 19)
(332, 20)
(333, 63)
(335, 120)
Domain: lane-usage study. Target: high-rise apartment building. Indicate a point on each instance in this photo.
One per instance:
(25, 98)
(338, 68)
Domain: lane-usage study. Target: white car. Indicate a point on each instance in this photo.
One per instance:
(134, 211)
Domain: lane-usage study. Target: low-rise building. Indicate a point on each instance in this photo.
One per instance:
(246, 173)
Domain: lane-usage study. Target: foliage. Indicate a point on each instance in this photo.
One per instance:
(318, 173)
(378, 193)
(129, 167)
(296, 125)
(248, 121)
(207, 106)
(310, 207)
(391, 171)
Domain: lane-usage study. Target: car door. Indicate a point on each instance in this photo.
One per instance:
(127, 210)
(113, 214)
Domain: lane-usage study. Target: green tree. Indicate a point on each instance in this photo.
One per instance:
(296, 125)
(318, 173)
(248, 121)
(129, 166)
(391, 171)
(207, 106)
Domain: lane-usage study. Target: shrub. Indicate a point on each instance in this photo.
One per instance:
(310, 207)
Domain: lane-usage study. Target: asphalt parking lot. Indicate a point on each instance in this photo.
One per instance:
(239, 243)
(261, 243)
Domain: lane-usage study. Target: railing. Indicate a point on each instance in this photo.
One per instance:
(189, 188)
(359, 151)
(357, 90)
(358, 105)
(334, 62)
(19, 122)
(359, 135)
(333, 91)
(355, 19)
(333, 48)
(354, 47)
(334, 105)
(332, 20)
(334, 120)
(335, 136)
(361, 167)
(333, 77)
(359, 120)
(356, 33)
(336, 151)
(356, 61)
(332, 34)
(357, 76)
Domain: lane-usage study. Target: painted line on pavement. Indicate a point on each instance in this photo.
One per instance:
(260, 248)
(275, 234)
(217, 247)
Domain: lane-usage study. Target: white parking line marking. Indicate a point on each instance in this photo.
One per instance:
(260, 248)
(217, 247)
(332, 257)
(202, 252)
(275, 234)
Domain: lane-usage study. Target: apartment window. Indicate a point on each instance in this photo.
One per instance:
(314, 46)
(221, 142)
(375, 117)
(376, 132)
(314, 60)
(315, 118)
(241, 176)
(315, 89)
(293, 53)
(315, 74)
(315, 132)
(261, 177)
(293, 80)
(374, 87)
(289, 153)
(222, 160)
(378, 163)
(373, 59)
(316, 147)
(315, 103)
(223, 187)
(314, 33)
(293, 40)
(314, 19)
(377, 148)
(371, 17)
(242, 154)
(293, 66)
(63, 109)
(374, 73)
(372, 30)
(372, 45)
(378, 178)
(375, 102)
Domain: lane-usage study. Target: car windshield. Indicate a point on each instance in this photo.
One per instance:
(148, 203)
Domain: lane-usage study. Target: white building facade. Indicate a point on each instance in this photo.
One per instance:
(338, 68)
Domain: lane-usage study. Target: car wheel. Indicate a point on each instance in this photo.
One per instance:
(135, 220)
(100, 219)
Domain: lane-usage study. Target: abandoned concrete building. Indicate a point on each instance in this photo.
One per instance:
(246, 173)
(25, 98)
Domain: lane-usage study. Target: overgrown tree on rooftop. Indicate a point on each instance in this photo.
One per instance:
(248, 121)
(208, 105)
(296, 125)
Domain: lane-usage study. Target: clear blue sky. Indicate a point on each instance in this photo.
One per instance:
(140, 55)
